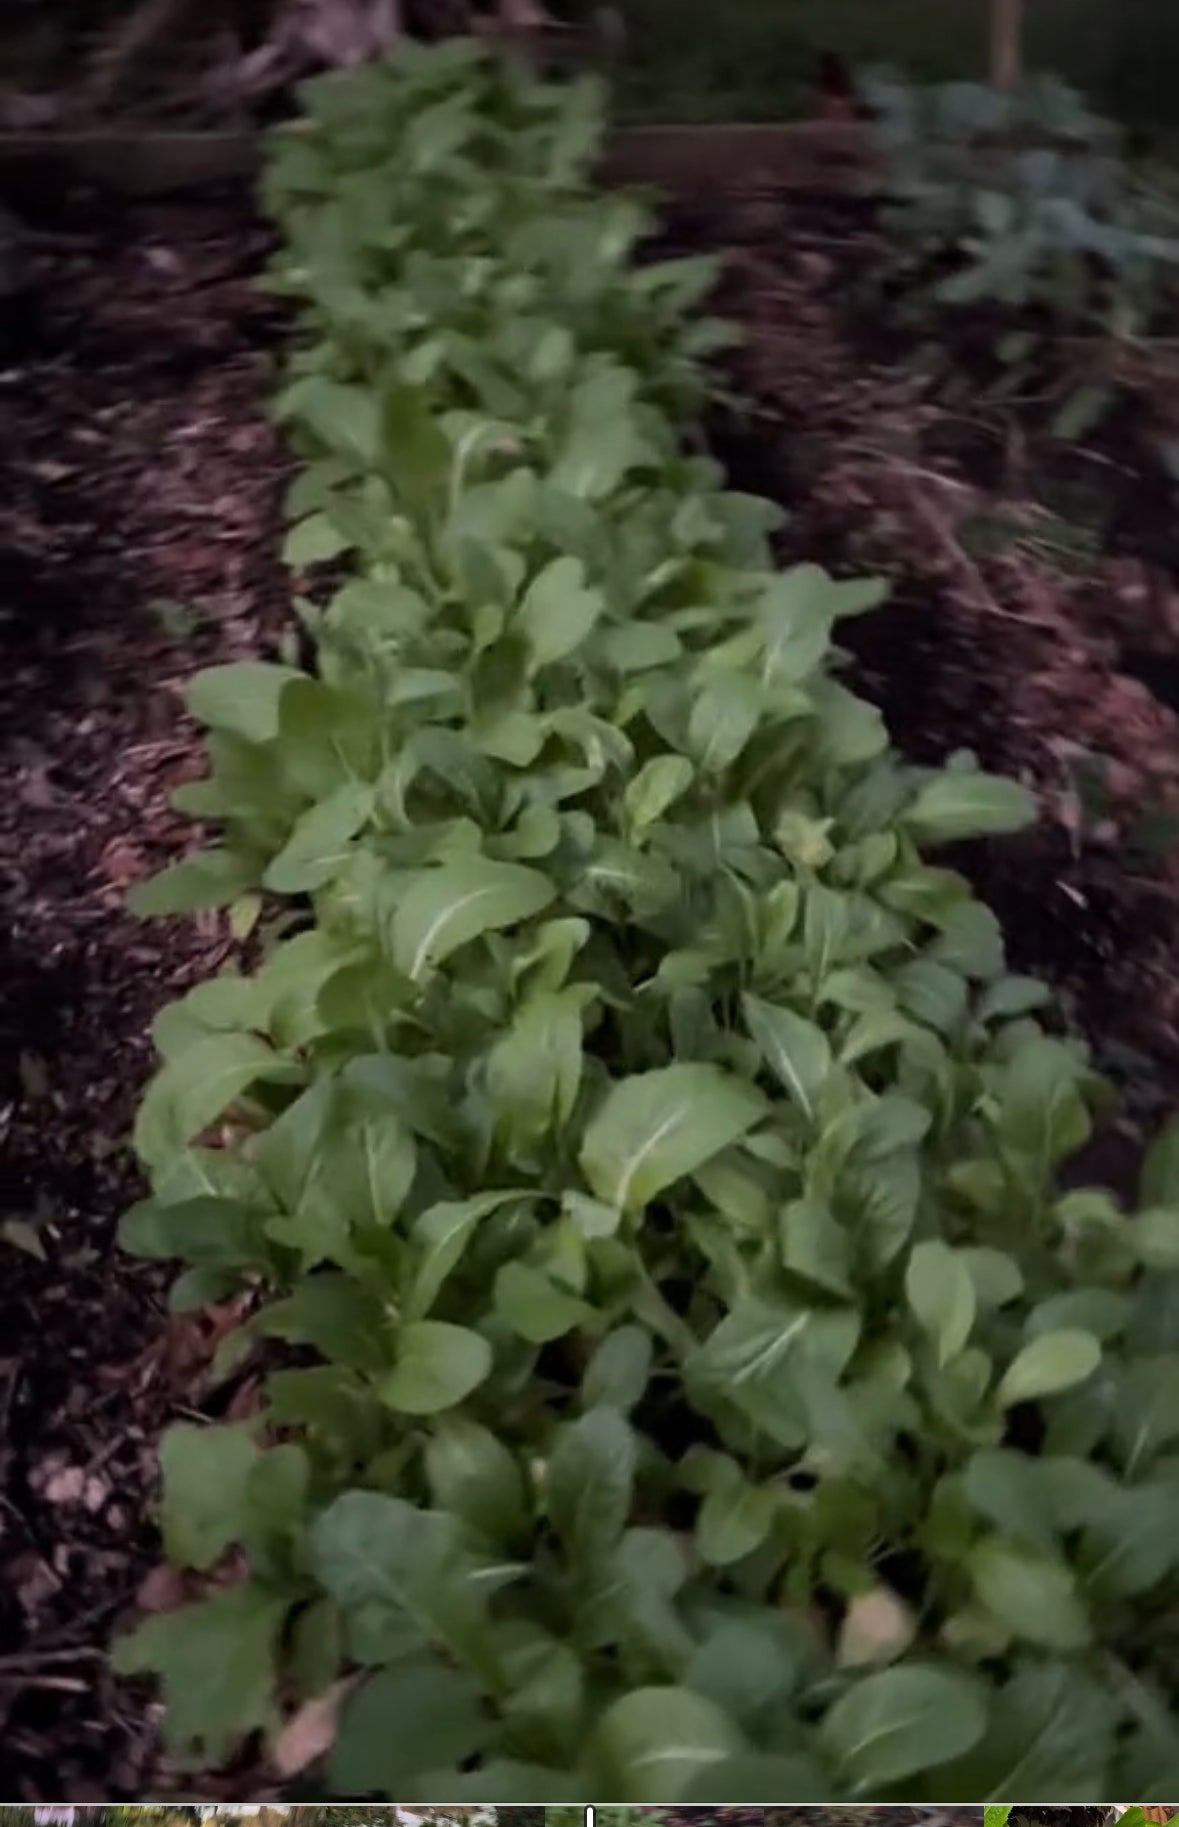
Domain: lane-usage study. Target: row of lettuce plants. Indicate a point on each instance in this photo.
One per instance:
(686, 1378)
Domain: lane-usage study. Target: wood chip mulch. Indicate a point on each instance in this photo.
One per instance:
(139, 487)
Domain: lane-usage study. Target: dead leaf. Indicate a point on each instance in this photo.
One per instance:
(163, 1589)
(247, 1401)
(876, 1628)
(311, 1731)
(23, 1236)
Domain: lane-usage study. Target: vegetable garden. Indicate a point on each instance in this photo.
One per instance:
(670, 1344)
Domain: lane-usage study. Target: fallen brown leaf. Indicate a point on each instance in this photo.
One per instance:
(310, 1731)
(165, 1588)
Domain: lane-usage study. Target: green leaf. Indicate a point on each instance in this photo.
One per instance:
(878, 1029)
(723, 719)
(632, 647)
(208, 1232)
(534, 1072)
(445, 907)
(534, 1307)
(557, 612)
(796, 1050)
(749, 1664)
(342, 416)
(1032, 1595)
(440, 1237)
(900, 1721)
(240, 699)
(619, 1370)
(815, 1246)
(970, 941)
(995, 1275)
(850, 730)
(1159, 1181)
(1051, 1732)
(418, 451)
(953, 806)
(798, 607)
(1154, 1235)
(1131, 1545)
(1011, 997)
(941, 1293)
(756, 1777)
(591, 1216)
(1050, 1363)
(206, 1473)
(474, 1474)
(345, 1321)
(1146, 1417)
(656, 1742)
(755, 1339)
(1042, 1111)
(658, 1126)
(416, 1716)
(211, 878)
(191, 1091)
(589, 1481)
(313, 541)
(320, 843)
(734, 1520)
(339, 1178)
(400, 1575)
(632, 1596)
(217, 1664)
(932, 993)
(437, 1366)
(655, 788)
(1008, 1489)
(436, 132)
(546, 1705)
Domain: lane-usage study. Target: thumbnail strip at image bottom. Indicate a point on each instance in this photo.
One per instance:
(277, 1814)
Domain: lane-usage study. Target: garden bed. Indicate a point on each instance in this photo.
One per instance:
(139, 474)
(1054, 655)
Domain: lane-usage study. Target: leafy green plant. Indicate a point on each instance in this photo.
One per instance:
(1021, 204)
(695, 1383)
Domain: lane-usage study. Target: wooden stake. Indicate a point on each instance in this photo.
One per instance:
(1006, 34)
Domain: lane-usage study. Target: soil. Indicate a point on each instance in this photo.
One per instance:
(139, 485)
(139, 491)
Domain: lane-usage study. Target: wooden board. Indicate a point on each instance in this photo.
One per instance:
(149, 163)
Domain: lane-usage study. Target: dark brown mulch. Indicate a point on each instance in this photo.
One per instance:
(137, 473)
(1045, 667)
